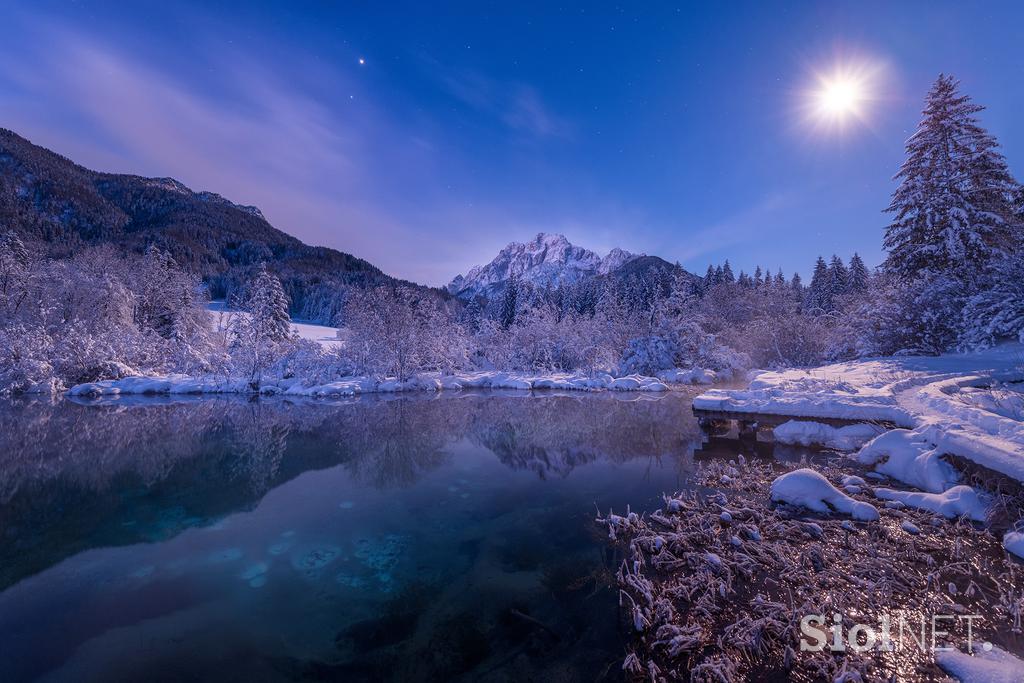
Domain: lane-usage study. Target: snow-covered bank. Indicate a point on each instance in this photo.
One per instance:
(958, 404)
(181, 384)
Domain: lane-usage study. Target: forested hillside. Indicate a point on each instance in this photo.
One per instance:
(47, 198)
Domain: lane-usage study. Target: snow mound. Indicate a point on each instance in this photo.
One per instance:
(908, 456)
(995, 666)
(959, 501)
(845, 438)
(1013, 541)
(809, 489)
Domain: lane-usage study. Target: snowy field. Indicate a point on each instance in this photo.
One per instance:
(324, 334)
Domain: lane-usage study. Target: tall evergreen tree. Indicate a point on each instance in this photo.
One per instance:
(859, 276)
(819, 298)
(727, 275)
(838, 278)
(953, 212)
(709, 277)
(758, 277)
(268, 305)
(509, 303)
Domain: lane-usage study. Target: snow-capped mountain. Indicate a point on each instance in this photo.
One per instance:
(545, 260)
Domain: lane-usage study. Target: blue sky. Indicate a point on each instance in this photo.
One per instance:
(676, 131)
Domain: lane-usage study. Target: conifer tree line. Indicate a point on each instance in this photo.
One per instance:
(952, 279)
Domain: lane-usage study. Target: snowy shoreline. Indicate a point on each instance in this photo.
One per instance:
(965, 405)
(427, 382)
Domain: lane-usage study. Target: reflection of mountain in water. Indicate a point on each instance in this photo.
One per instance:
(76, 476)
(554, 436)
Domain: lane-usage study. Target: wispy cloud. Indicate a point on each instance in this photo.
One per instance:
(516, 105)
(319, 169)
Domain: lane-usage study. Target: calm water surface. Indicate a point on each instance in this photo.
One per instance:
(410, 538)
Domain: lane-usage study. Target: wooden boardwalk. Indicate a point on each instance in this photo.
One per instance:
(753, 421)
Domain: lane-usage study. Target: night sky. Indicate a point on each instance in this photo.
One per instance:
(424, 139)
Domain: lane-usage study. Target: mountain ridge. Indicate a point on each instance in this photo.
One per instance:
(548, 260)
(50, 199)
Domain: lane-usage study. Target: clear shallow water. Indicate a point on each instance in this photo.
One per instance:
(410, 538)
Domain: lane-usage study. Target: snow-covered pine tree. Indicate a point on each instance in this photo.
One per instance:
(268, 305)
(780, 279)
(953, 212)
(818, 293)
(758, 277)
(709, 277)
(997, 312)
(838, 278)
(859, 276)
(727, 275)
(509, 303)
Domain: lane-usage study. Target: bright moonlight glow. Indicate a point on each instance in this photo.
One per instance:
(843, 95)
(840, 97)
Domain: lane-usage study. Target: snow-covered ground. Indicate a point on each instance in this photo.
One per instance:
(324, 334)
(182, 384)
(965, 405)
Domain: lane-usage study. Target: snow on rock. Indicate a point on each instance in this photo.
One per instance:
(959, 501)
(1013, 541)
(809, 489)
(693, 376)
(909, 457)
(845, 438)
(995, 666)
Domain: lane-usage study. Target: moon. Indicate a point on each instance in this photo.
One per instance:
(841, 98)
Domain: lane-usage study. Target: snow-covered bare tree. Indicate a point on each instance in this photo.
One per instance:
(399, 331)
(14, 272)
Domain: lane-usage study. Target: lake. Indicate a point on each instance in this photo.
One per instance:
(379, 538)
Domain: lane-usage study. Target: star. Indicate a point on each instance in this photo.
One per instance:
(362, 61)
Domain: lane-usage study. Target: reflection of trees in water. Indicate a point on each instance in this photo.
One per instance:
(381, 442)
(78, 476)
(258, 442)
(394, 443)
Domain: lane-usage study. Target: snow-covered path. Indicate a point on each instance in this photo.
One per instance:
(949, 401)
